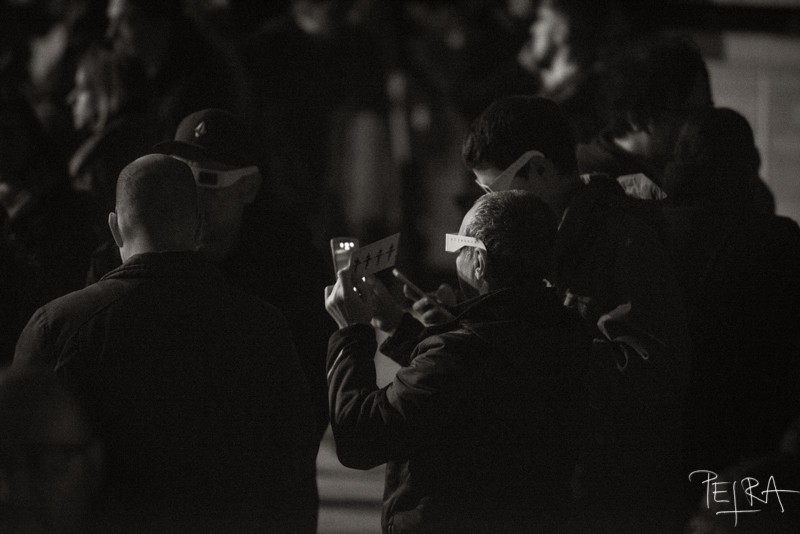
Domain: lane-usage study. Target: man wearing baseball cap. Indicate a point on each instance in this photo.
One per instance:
(260, 250)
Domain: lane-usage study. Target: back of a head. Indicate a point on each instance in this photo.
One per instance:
(157, 198)
(519, 233)
(514, 125)
(715, 161)
(651, 79)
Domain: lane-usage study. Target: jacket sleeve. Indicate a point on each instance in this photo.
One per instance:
(399, 346)
(33, 346)
(372, 426)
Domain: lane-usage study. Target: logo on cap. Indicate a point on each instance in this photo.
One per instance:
(200, 129)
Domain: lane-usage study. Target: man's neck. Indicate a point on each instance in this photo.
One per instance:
(145, 246)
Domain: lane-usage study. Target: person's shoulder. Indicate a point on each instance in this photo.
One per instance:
(76, 308)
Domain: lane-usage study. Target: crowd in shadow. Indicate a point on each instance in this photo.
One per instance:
(621, 353)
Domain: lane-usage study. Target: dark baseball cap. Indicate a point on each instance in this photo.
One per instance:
(213, 134)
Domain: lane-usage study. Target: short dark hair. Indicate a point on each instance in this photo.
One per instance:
(160, 194)
(651, 79)
(519, 233)
(513, 125)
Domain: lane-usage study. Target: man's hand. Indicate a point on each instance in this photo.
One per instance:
(349, 301)
(431, 309)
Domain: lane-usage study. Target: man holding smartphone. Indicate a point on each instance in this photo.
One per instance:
(481, 430)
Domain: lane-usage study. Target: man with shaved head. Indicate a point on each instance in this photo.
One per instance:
(194, 386)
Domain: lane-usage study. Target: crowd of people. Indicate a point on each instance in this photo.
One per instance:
(621, 348)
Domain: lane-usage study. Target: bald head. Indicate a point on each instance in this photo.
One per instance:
(156, 206)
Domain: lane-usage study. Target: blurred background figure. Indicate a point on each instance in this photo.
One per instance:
(51, 462)
(109, 102)
(57, 33)
(46, 237)
(563, 53)
(186, 66)
(317, 84)
(650, 91)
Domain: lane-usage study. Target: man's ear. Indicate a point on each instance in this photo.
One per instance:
(113, 225)
(251, 186)
(479, 264)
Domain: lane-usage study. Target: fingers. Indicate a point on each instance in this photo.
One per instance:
(411, 294)
(446, 295)
(425, 305)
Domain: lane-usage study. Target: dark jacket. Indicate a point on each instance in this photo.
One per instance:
(740, 272)
(481, 430)
(196, 390)
(276, 262)
(612, 264)
(44, 253)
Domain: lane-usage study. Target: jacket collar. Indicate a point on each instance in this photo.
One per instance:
(534, 302)
(174, 265)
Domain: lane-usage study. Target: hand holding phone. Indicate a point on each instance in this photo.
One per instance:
(428, 309)
(417, 293)
(341, 250)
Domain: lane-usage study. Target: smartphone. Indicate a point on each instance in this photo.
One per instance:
(341, 249)
(418, 293)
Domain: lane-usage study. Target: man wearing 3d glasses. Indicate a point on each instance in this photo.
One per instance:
(260, 249)
(481, 428)
(610, 263)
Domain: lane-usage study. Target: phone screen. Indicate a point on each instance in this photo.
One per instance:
(341, 249)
